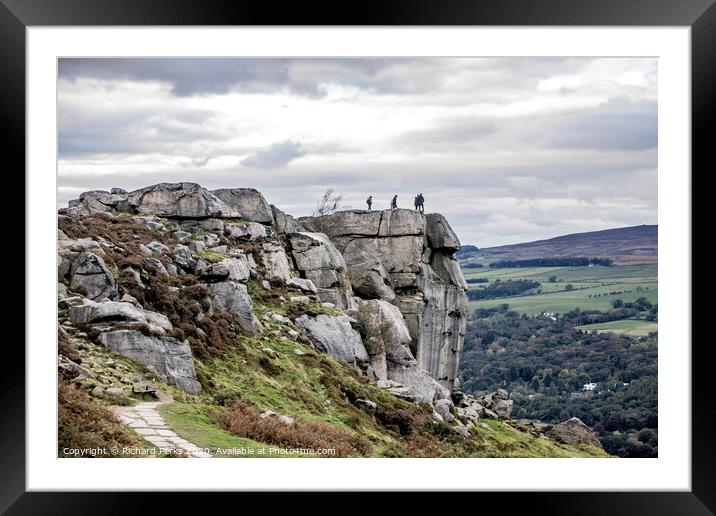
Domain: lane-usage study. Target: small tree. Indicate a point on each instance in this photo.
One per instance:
(329, 203)
(553, 279)
(569, 286)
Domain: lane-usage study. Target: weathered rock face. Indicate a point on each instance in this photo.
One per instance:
(283, 222)
(89, 275)
(249, 202)
(234, 298)
(440, 234)
(385, 336)
(168, 358)
(406, 258)
(173, 200)
(112, 311)
(94, 202)
(573, 431)
(318, 260)
(179, 200)
(335, 335)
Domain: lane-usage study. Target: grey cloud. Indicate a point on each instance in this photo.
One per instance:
(123, 131)
(274, 156)
(618, 124)
(199, 76)
(308, 76)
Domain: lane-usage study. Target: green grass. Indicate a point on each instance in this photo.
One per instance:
(593, 288)
(211, 256)
(628, 327)
(193, 424)
(501, 439)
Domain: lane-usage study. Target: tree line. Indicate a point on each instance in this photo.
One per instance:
(500, 288)
(552, 262)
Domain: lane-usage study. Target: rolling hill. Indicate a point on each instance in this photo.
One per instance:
(629, 245)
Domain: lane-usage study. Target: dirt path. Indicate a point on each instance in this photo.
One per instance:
(144, 419)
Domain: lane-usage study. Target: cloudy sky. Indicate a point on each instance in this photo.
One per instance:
(510, 150)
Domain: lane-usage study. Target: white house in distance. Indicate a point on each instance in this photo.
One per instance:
(589, 386)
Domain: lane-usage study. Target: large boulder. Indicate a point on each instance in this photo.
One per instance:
(275, 262)
(168, 358)
(498, 402)
(94, 202)
(232, 269)
(233, 298)
(180, 201)
(114, 311)
(90, 276)
(247, 201)
(333, 334)
(385, 336)
(283, 222)
(318, 260)
(182, 256)
(574, 431)
(440, 234)
(370, 280)
(420, 382)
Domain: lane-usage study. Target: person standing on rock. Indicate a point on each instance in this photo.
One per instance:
(394, 202)
(369, 202)
(421, 202)
(417, 202)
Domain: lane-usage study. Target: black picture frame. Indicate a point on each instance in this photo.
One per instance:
(700, 15)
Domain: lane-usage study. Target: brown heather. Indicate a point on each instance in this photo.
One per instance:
(244, 420)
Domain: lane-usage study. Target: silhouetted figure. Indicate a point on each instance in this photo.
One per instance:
(417, 202)
(394, 202)
(421, 203)
(369, 202)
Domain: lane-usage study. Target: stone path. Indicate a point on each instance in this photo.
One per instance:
(144, 419)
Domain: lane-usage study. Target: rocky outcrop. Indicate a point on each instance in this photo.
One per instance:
(168, 358)
(497, 402)
(574, 431)
(421, 387)
(249, 202)
(318, 260)
(335, 335)
(406, 258)
(380, 291)
(172, 200)
(90, 276)
(179, 200)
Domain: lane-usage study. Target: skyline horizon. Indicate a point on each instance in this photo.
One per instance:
(351, 208)
(509, 149)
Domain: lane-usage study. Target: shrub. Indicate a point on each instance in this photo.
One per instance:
(244, 420)
(85, 423)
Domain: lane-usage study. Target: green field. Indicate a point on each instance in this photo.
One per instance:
(593, 288)
(628, 327)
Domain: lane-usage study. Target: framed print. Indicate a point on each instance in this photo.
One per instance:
(425, 249)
